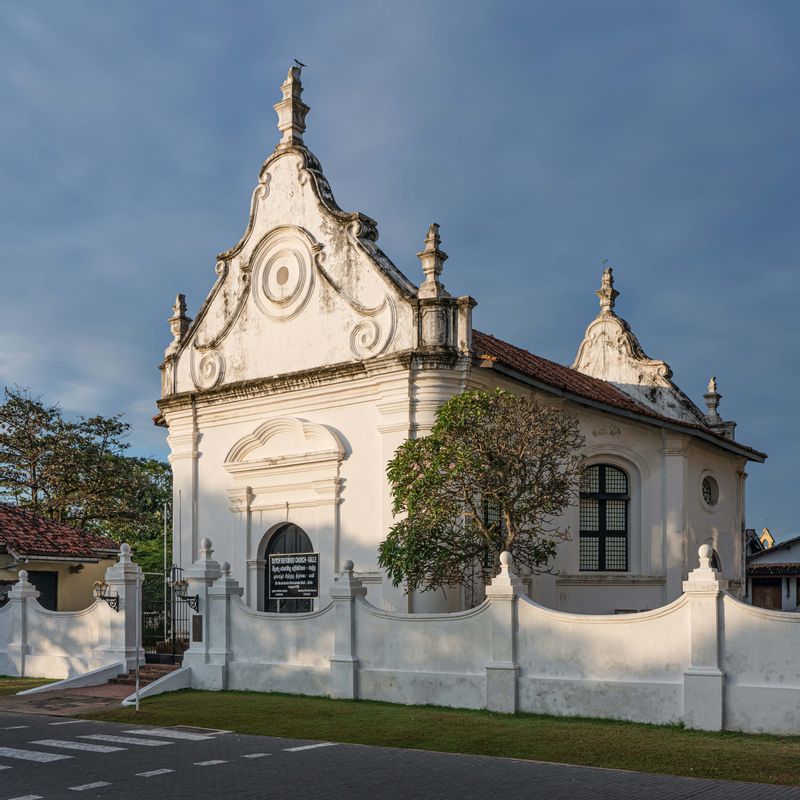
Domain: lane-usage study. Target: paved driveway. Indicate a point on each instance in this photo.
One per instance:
(42, 758)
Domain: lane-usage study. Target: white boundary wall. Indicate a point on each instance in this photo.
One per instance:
(35, 642)
(706, 659)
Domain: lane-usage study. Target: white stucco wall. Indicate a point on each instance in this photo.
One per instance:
(706, 659)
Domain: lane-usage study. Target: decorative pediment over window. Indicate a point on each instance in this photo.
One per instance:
(284, 442)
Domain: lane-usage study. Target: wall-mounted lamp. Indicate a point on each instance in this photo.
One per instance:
(76, 569)
(180, 587)
(101, 593)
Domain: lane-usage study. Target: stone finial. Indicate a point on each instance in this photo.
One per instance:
(507, 583)
(206, 550)
(291, 110)
(432, 259)
(705, 578)
(348, 567)
(712, 398)
(607, 293)
(23, 576)
(178, 322)
(225, 568)
(124, 553)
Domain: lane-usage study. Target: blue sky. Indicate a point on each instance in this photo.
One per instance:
(543, 137)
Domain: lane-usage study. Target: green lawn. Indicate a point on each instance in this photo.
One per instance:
(9, 685)
(601, 743)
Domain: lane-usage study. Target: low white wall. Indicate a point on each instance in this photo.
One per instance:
(437, 659)
(35, 642)
(706, 660)
(66, 644)
(624, 666)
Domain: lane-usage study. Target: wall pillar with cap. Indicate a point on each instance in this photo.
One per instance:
(502, 671)
(214, 673)
(19, 598)
(344, 662)
(703, 680)
(124, 580)
(200, 578)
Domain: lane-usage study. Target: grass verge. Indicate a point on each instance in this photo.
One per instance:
(11, 685)
(601, 743)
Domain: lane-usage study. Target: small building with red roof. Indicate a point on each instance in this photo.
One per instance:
(62, 562)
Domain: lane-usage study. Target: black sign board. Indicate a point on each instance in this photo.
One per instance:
(293, 575)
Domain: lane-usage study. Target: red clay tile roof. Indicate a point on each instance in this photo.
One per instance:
(28, 535)
(576, 383)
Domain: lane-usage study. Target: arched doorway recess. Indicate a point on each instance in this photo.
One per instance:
(288, 538)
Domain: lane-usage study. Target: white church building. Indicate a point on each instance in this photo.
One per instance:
(313, 358)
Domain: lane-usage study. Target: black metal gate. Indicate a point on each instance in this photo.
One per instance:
(165, 618)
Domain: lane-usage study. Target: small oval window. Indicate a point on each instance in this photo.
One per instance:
(710, 491)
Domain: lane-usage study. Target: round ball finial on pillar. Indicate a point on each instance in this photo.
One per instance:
(124, 553)
(348, 567)
(506, 561)
(705, 552)
(23, 576)
(225, 567)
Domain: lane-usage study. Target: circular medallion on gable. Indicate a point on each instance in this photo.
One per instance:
(283, 275)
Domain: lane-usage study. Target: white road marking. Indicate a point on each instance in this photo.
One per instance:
(4, 766)
(86, 786)
(67, 722)
(209, 763)
(153, 773)
(309, 746)
(256, 755)
(102, 737)
(14, 728)
(30, 755)
(167, 733)
(67, 745)
(29, 797)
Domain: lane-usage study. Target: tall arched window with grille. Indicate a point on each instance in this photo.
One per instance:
(604, 519)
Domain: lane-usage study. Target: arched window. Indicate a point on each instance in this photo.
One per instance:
(604, 519)
(289, 538)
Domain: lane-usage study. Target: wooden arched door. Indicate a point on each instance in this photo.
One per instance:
(289, 538)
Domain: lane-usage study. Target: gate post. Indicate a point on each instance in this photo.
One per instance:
(704, 681)
(215, 671)
(200, 576)
(22, 593)
(124, 579)
(501, 672)
(344, 661)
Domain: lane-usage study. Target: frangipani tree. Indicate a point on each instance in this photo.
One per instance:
(493, 475)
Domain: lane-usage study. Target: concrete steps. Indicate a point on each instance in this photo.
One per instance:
(147, 674)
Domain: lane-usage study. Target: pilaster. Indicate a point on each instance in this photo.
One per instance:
(704, 681)
(344, 662)
(200, 577)
(124, 579)
(502, 671)
(21, 595)
(675, 459)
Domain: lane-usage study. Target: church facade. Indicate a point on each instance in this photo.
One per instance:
(313, 358)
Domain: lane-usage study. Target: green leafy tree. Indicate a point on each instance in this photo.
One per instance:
(493, 475)
(76, 471)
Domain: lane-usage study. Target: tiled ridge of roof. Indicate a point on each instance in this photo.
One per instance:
(29, 535)
(574, 382)
(773, 568)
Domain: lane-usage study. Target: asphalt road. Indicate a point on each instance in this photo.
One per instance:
(42, 758)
